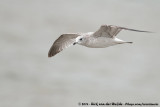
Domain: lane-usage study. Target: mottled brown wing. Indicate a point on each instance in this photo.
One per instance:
(111, 31)
(64, 41)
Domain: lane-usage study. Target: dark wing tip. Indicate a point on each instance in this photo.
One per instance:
(136, 30)
(50, 55)
(129, 42)
(53, 51)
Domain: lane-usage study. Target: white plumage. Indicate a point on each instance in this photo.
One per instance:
(103, 37)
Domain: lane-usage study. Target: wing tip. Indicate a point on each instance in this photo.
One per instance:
(136, 30)
(129, 42)
(53, 51)
(49, 54)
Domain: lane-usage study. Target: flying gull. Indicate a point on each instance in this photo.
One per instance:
(102, 38)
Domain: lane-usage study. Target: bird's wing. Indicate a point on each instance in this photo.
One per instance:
(111, 31)
(64, 41)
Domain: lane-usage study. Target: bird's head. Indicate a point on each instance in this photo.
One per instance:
(83, 39)
(80, 40)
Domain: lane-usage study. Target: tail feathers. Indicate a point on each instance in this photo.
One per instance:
(119, 41)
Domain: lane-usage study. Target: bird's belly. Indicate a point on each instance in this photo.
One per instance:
(100, 42)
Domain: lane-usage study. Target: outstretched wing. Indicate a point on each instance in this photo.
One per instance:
(111, 31)
(64, 41)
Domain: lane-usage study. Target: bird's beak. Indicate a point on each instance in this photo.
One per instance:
(75, 43)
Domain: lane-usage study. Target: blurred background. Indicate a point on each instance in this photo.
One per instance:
(122, 73)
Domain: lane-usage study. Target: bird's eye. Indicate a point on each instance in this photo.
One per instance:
(80, 39)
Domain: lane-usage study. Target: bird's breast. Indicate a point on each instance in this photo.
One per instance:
(100, 42)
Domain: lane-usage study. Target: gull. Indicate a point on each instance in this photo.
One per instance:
(104, 37)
